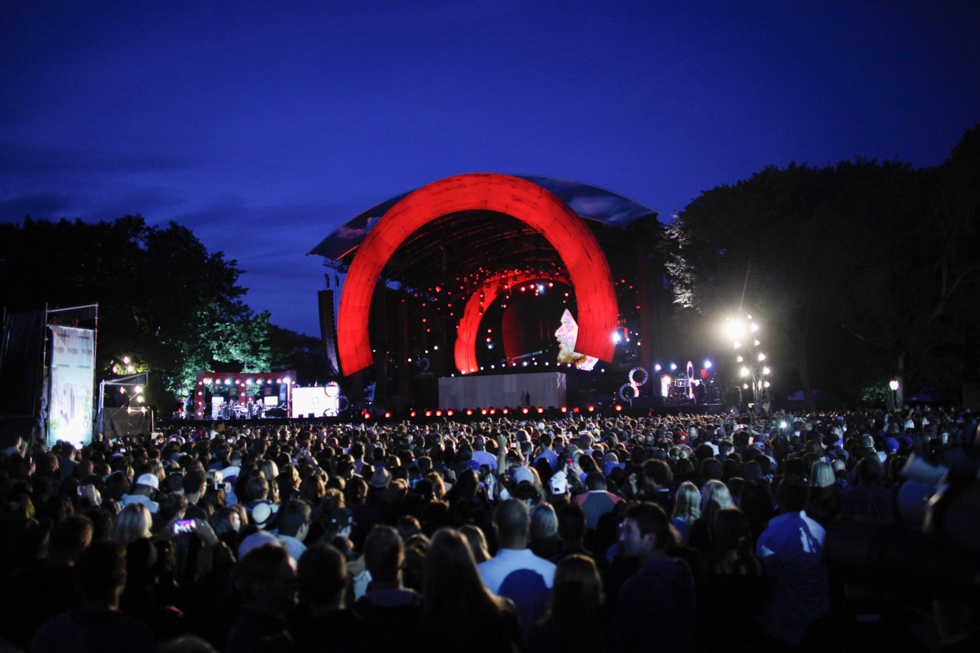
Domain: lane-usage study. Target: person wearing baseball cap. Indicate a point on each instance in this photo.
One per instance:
(143, 491)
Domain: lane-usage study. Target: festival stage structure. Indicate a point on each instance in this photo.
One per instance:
(474, 275)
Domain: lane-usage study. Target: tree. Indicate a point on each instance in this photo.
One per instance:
(881, 250)
(162, 296)
(912, 297)
(750, 246)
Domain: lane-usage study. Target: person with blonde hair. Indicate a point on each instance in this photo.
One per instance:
(457, 608)
(687, 508)
(822, 475)
(544, 532)
(132, 523)
(714, 497)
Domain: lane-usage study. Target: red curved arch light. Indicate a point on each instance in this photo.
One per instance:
(469, 325)
(538, 208)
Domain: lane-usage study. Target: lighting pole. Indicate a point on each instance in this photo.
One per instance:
(893, 384)
(748, 352)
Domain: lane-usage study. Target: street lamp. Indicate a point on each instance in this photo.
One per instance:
(893, 384)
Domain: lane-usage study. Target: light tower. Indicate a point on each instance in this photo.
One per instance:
(753, 368)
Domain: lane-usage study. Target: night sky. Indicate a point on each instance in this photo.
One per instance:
(263, 126)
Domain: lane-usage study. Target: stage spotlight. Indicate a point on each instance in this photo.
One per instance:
(493, 411)
(744, 371)
(524, 410)
(438, 413)
(387, 415)
(540, 410)
(286, 380)
(505, 411)
(616, 337)
(757, 343)
(591, 408)
(575, 410)
(564, 409)
(707, 365)
(739, 359)
(412, 414)
(673, 366)
(737, 344)
(483, 411)
(248, 382)
(449, 413)
(428, 413)
(762, 357)
(227, 381)
(765, 370)
(469, 412)
(618, 408)
(766, 384)
(755, 327)
(657, 368)
(745, 387)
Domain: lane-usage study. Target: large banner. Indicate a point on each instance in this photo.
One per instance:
(72, 381)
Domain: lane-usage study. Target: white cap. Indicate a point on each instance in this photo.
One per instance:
(149, 479)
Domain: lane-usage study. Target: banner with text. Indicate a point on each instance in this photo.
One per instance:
(72, 381)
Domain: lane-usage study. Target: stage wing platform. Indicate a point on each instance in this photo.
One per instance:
(546, 389)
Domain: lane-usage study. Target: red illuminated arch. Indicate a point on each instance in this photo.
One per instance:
(469, 325)
(538, 208)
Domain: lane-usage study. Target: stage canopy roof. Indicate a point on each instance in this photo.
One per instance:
(590, 202)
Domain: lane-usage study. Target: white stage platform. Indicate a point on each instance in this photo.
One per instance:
(547, 389)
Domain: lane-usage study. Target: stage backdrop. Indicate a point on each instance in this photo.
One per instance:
(72, 379)
(546, 389)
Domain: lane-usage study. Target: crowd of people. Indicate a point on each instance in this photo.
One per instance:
(677, 533)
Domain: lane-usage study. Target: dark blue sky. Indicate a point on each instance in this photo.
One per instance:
(265, 125)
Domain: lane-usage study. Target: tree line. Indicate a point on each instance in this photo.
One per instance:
(165, 302)
(872, 265)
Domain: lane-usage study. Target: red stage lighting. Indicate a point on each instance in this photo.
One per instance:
(563, 409)
(438, 413)
(540, 410)
(591, 408)
(469, 412)
(428, 413)
(575, 410)
(493, 410)
(485, 295)
(449, 413)
(505, 411)
(538, 208)
(483, 412)
(412, 414)
(387, 415)
(618, 408)
(524, 410)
